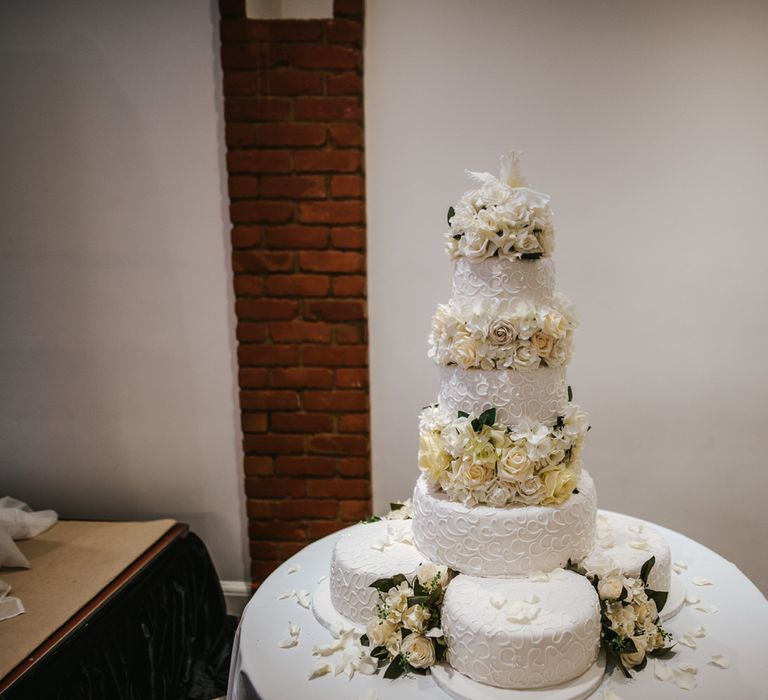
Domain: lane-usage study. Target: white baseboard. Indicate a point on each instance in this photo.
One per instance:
(236, 594)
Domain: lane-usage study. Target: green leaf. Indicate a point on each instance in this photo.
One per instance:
(371, 519)
(560, 422)
(417, 671)
(663, 652)
(463, 414)
(418, 589)
(530, 256)
(451, 214)
(624, 593)
(418, 600)
(570, 393)
(575, 492)
(457, 236)
(364, 640)
(658, 597)
(487, 417)
(646, 570)
(398, 579)
(395, 506)
(383, 584)
(395, 669)
(628, 647)
(641, 665)
(380, 653)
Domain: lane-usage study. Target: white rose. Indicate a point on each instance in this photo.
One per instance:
(514, 465)
(555, 457)
(507, 243)
(499, 494)
(494, 192)
(418, 650)
(480, 447)
(472, 475)
(527, 243)
(415, 618)
(396, 601)
(464, 352)
(393, 643)
(622, 618)
(636, 657)
(553, 323)
(530, 491)
(501, 332)
(526, 356)
(379, 631)
(432, 459)
(576, 422)
(610, 587)
(543, 343)
(428, 573)
(560, 353)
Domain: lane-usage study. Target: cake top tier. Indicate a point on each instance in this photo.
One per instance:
(502, 218)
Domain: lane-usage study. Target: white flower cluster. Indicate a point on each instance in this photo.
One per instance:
(475, 460)
(410, 631)
(489, 337)
(501, 218)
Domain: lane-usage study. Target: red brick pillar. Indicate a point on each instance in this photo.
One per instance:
(294, 131)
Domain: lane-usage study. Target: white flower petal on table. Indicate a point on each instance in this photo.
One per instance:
(285, 595)
(697, 632)
(370, 694)
(691, 599)
(699, 581)
(720, 660)
(293, 630)
(638, 544)
(293, 569)
(321, 579)
(679, 566)
(303, 598)
(608, 694)
(688, 668)
(539, 577)
(289, 643)
(497, 600)
(367, 665)
(687, 641)
(434, 633)
(325, 651)
(706, 608)
(320, 670)
(636, 528)
(684, 680)
(661, 670)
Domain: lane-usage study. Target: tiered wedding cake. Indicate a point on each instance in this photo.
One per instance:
(503, 499)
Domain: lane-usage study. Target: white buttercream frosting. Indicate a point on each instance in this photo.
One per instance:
(521, 633)
(364, 554)
(488, 541)
(625, 544)
(540, 395)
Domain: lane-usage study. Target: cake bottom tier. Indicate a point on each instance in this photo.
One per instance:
(522, 632)
(510, 541)
(364, 554)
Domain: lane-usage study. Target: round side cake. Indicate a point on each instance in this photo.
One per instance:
(522, 632)
(488, 541)
(366, 553)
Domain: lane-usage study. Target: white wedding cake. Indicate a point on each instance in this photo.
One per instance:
(503, 508)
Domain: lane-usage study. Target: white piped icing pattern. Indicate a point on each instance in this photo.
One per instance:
(541, 394)
(503, 280)
(488, 541)
(555, 639)
(356, 563)
(625, 544)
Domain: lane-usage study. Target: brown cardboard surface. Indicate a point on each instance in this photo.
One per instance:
(71, 563)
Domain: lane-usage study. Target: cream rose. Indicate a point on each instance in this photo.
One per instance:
(543, 343)
(393, 643)
(553, 323)
(514, 465)
(502, 332)
(636, 657)
(530, 491)
(415, 618)
(610, 587)
(558, 486)
(499, 494)
(622, 618)
(433, 460)
(418, 650)
(464, 352)
(430, 573)
(472, 475)
(526, 356)
(560, 353)
(527, 243)
(379, 631)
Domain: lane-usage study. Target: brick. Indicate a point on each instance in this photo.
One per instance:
(344, 84)
(273, 444)
(306, 466)
(263, 212)
(331, 261)
(349, 334)
(313, 237)
(354, 466)
(349, 286)
(339, 444)
(303, 509)
(246, 236)
(270, 309)
(251, 332)
(322, 528)
(300, 331)
(271, 355)
(238, 84)
(262, 549)
(288, 549)
(257, 109)
(336, 356)
(258, 162)
(301, 378)
(277, 30)
(354, 423)
(248, 285)
(353, 511)
(346, 212)
(275, 487)
(306, 187)
(252, 377)
(259, 261)
(351, 378)
(344, 31)
(345, 135)
(253, 55)
(269, 400)
(288, 82)
(328, 109)
(335, 401)
(276, 531)
(261, 569)
(253, 422)
(232, 7)
(259, 465)
(348, 8)
(301, 423)
(338, 488)
(346, 186)
(290, 135)
(298, 285)
(242, 186)
(335, 310)
(348, 238)
(324, 56)
(326, 161)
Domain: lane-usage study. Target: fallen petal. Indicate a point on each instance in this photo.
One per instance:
(687, 641)
(697, 632)
(661, 670)
(608, 694)
(699, 581)
(320, 670)
(289, 643)
(370, 694)
(286, 594)
(294, 630)
(691, 599)
(638, 544)
(294, 569)
(303, 598)
(321, 579)
(688, 668)
(497, 601)
(683, 680)
(720, 660)
(706, 608)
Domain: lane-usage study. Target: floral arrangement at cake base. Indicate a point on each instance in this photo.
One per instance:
(405, 635)
(629, 612)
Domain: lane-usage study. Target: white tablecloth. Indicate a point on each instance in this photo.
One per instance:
(739, 630)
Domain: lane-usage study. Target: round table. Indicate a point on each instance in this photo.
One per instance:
(261, 670)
